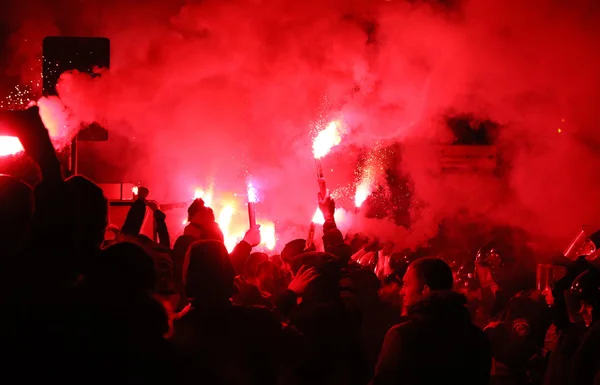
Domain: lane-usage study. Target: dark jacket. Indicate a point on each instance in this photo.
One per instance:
(230, 345)
(517, 339)
(439, 344)
(585, 369)
(561, 358)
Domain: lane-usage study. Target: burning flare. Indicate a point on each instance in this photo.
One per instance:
(252, 194)
(326, 139)
(10, 145)
(206, 196)
(267, 235)
(318, 218)
(224, 222)
(365, 186)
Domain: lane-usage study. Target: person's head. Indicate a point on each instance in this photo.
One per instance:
(208, 272)
(143, 193)
(291, 251)
(586, 289)
(16, 208)
(91, 211)
(199, 214)
(269, 278)
(424, 276)
(124, 267)
(329, 268)
(251, 265)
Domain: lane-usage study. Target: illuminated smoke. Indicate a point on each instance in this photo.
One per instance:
(206, 86)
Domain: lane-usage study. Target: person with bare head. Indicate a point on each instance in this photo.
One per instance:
(437, 343)
(423, 277)
(234, 344)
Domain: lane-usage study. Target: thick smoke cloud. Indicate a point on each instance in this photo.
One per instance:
(217, 90)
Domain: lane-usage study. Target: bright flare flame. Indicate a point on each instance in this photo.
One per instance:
(267, 235)
(326, 139)
(134, 190)
(363, 190)
(365, 186)
(339, 214)
(224, 222)
(10, 145)
(318, 218)
(206, 196)
(252, 194)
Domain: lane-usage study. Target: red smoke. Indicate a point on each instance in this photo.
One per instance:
(215, 90)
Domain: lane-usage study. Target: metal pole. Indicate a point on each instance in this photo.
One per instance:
(73, 158)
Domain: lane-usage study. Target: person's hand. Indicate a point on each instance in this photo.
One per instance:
(326, 205)
(252, 236)
(159, 215)
(305, 276)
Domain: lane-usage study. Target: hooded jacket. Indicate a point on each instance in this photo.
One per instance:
(437, 345)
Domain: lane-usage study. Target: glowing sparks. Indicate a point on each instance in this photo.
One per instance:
(252, 194)
(326, 139)
(365, 186)
(10, 145)
(267, 235)
(19, 98)
(559, 130)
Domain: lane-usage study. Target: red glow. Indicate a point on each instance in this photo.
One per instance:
(212, 89)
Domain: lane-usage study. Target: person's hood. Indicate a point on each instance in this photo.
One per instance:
(210, 231)
(207, 271)
(442, 307)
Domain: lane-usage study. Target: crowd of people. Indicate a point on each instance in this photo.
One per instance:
(81, 309)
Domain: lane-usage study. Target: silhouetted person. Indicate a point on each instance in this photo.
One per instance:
(230, 344)
(438, 343)
(16, 208)
(332, 331)
(201, 226)
(118, 314)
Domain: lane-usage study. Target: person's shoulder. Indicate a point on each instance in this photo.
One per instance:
(183, 241)
(404, 326)
(255, 312)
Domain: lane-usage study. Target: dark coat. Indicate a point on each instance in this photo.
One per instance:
(585, 369)
(439, 344)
